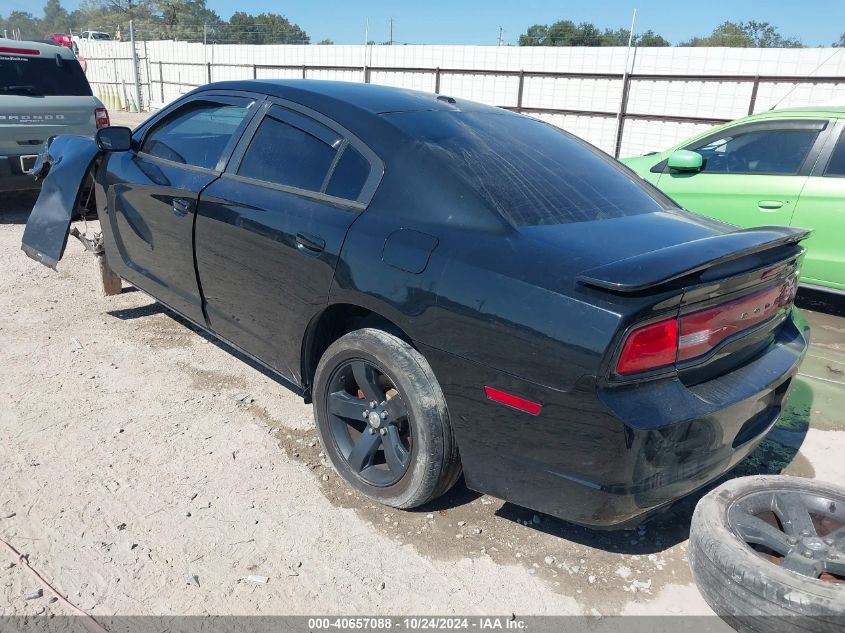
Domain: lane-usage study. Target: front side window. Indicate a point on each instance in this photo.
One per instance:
(836, 165)
(284, 154)
(772, 151)
(196, 134)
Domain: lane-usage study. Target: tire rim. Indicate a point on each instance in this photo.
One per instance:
(369, 423)
(799, 531)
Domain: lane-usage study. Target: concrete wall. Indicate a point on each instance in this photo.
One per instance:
(109, 68)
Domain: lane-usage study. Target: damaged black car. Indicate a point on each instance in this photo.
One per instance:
(456, 287)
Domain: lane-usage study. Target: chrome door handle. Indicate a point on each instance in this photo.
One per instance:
(182, 207)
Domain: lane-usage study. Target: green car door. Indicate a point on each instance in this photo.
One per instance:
(822, 207)
(751, 174)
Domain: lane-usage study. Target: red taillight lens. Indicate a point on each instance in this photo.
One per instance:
(692, 335)
(649, 347)
(702, 331)
(101, 117)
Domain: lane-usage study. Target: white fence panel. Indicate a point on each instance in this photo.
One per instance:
(502, 76)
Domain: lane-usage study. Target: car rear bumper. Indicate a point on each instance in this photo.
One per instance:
(605, 458)
(12, 175)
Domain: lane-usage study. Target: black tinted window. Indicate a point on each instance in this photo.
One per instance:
(836, 166)
(286, 155)
(349, 175)
(196, 134)
(42, 76)
(530, 172)
(761, 152)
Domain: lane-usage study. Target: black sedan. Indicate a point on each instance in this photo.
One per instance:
(456, 287)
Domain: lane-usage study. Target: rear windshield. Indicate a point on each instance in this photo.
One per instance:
(532, 173)
(42, 76)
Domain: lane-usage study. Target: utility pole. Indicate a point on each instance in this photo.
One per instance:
(204, 35)
(501, 36)
(390, 28)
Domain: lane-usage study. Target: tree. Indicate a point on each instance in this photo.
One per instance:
(186, 20)
(56, 19)
(750, 34)
(28, 25)
(265, 28)
(650, 38)
(325, 42)
(567, 33)
(535, 36)
(841, 41)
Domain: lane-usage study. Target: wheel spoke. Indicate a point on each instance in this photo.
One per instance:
(835, 566)
(362, 453)
(367, 379)
(838, 538)
(793, 514)
(344, 405)
(396, 409)
(394, 452)
(794, 561)
(755, 530)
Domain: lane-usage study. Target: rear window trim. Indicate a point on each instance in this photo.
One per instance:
(371, 184)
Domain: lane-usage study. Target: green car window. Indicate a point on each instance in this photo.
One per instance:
(757, 152)
(836, 166)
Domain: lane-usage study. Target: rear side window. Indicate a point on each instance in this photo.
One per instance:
(836, 165)
(46, 76)
(775, 151)
(528, 171)
(349, 175)
(196, 134)
(287, 155)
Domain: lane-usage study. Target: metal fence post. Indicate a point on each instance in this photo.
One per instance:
(135, 74)
(753, 101)
(437, 80)
(623, 109)
(161, 80)
(519, 92)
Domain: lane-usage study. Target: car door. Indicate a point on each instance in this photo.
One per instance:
(153, 192)
(822, 208)
(751, 175)
(270, 230)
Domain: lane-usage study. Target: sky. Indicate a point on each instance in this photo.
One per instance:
(815, 22)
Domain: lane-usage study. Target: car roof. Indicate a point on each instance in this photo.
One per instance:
(370, 98)
(835, 111)
(48, 49)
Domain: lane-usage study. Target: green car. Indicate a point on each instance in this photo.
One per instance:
(781, 167)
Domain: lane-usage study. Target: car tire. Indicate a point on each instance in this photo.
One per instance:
(749, 588)
(416, 425)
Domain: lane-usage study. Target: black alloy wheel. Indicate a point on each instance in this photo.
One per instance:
(370, 423)
(382, 419)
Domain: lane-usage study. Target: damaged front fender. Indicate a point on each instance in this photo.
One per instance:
(63, 162)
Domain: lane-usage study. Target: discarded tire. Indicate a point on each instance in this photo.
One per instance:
(768, 554)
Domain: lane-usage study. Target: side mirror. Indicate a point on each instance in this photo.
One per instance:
(685, 160)
(114, 139)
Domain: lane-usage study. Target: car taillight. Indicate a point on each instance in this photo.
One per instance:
(666, 342)
(649, 347)
(101, 117)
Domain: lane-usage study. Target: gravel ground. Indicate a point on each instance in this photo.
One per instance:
(147, 470)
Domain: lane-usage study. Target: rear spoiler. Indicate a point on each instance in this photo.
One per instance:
(655, 268)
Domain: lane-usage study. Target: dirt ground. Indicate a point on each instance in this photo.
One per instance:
(147, 470)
